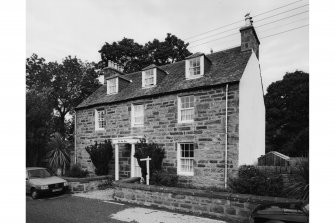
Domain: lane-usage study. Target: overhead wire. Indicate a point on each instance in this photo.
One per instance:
(275, 34)
(200, 34)
(235, 28)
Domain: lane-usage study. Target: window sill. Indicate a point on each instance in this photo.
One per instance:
(100, 130)
(148, 87)
(185, 122)
(186, 174)
(112, 93)
(137, 126)
(194, 77)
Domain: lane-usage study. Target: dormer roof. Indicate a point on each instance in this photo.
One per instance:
(119, 76)
(227, 66)
(198, 54)
(152, 66)
(194, 55)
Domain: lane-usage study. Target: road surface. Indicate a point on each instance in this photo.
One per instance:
(72, 209)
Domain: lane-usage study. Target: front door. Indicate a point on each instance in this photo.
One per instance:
(137, 169)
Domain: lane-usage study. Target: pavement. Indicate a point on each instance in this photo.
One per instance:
(93, 207)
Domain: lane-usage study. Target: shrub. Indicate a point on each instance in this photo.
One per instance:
(101, 154)
(251, 181)
(77, 171)
(154, 151)
(163, 178)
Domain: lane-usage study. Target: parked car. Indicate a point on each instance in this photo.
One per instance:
(40, 181)
(280, 213)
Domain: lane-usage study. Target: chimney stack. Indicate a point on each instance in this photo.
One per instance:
(249, 39)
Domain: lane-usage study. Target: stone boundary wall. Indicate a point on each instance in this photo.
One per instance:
(220, 205)
(77, 185)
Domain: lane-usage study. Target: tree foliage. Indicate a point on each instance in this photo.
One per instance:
(287, 115)
(38, 126)
(133, 56)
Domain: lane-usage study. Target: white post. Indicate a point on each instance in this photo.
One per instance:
(116, 161)
(132, 160)
(148, 172)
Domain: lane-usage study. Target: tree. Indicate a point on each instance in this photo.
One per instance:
(69, 83)
(134, 57)
(287, 115)
(38, 126)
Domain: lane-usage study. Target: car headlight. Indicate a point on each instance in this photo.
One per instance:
(66, 184)
(44, 187)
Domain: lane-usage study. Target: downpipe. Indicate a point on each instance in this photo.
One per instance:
(226, 141)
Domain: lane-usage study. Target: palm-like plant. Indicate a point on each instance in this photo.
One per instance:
(300, 188)
(58, 156)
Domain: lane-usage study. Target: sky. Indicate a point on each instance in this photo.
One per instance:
(58, 28)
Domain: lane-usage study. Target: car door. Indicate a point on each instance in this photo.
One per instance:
(27, 183)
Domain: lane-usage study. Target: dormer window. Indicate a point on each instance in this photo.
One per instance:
(149, 78)
(195, 66)
(112, 86)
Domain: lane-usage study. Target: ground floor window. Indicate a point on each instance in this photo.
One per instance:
(185, 156)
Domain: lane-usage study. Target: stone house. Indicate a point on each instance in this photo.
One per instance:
(206, 111)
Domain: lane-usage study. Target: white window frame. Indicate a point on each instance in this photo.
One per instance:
(154, 73)
(180, 158)
(134, 115)
(188, 67)
(98, 119)
(180, 109)
(109, 89)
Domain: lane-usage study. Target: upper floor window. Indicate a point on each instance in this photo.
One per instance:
(186, 109)
(112, 86)
(100, 121)
(149, 78)
(195, 66)
(185, 159)
(137, 115)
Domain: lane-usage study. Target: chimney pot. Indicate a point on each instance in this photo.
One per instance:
(110, 63)
(248, 19)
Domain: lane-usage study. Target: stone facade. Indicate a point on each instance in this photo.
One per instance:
(161, 126)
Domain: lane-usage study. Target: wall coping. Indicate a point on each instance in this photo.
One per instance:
(87, 179)
(204, 193)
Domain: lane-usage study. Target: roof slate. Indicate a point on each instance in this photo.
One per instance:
(227, 66)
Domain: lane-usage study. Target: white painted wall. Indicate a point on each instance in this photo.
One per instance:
(251, 114)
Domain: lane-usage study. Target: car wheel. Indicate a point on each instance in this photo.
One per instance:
(34, 194)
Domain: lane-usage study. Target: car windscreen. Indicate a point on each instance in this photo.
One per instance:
(39, 173)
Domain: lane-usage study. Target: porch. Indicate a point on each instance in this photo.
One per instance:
(122, 156)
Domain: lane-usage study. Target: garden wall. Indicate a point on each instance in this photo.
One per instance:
(220, 205)
(77, 185)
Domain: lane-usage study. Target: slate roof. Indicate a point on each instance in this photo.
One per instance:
(227, 66)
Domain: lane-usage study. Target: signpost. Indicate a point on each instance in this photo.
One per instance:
(148, 173)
